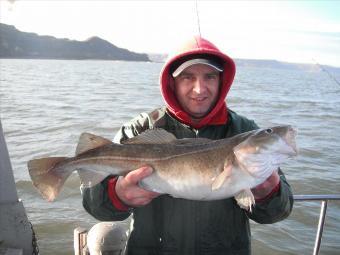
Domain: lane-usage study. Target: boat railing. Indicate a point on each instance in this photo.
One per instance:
(80, 234)
(324, 198)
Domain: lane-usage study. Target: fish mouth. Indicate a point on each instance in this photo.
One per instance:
(285, 144)
(266, 151)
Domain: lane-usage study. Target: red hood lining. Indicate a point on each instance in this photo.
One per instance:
(218, 115)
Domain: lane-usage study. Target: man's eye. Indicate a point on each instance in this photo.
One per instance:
(186, 77)
(211, 77)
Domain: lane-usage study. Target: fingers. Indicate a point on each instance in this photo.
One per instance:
(267, 186)
(135, 176)
(128, 190)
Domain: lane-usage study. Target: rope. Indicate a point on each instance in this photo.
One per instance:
(34, 242)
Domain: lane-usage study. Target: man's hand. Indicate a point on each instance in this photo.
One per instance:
(264, 189)
(130, 193)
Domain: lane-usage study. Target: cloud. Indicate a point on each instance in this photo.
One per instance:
(246, 29)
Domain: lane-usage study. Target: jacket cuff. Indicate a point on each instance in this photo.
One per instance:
(117, 203)
(271, 194)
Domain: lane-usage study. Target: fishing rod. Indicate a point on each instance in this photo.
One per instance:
(326, 71)
(198, 19)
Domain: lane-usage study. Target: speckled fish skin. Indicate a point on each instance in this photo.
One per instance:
(198, 169)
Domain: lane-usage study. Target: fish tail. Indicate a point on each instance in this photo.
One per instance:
(47, 177)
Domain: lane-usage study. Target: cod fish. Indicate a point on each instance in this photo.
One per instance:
(191, 168)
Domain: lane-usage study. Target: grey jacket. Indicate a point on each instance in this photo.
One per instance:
(177, 226)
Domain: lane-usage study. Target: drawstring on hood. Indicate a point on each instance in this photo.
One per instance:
(197, 47)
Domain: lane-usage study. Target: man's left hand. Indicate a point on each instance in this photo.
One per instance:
(265, 188)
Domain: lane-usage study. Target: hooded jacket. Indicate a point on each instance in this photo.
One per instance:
(176, 226)
(195, 48)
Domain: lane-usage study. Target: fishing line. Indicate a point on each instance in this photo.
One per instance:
(198, 19)
(326, 71)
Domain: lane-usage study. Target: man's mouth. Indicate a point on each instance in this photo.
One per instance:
(199, 99)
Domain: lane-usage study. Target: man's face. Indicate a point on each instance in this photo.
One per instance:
(196, 89)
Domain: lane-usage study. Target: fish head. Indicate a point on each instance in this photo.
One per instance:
(265, 149)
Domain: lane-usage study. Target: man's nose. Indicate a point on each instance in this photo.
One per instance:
(199, 86)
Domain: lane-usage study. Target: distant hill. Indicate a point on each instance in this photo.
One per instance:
(263, 63)
(157, 57)
(17, 44)
(284, 65)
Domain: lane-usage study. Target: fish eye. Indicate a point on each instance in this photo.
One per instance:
(269, 131)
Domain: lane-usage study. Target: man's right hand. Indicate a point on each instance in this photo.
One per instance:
(130, 193)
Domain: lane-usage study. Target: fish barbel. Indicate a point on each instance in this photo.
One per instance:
(192, 168)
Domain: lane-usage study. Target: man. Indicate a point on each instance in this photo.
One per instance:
(194, 84)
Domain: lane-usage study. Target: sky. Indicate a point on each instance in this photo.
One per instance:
(292, 31)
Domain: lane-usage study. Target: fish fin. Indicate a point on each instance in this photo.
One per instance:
(152, 136)
(220, 179)
(90, 178)
(245, 199)
(46, 178)
(89, 141)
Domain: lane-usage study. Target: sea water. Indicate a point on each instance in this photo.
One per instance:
(46, 104)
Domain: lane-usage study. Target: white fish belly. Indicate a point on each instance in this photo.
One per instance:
(196, 188)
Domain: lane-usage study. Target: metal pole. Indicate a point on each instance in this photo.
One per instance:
(15, 229)
(320, 227)
(324, 198)
(317, 197)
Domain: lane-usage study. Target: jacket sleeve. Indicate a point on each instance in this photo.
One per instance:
(275, 208)
(97, 203)
(96, 200)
